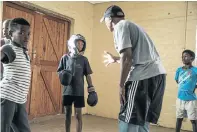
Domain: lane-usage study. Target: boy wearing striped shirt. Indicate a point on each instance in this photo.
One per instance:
(17, 75)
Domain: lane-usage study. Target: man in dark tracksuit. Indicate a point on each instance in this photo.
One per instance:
(143, 76)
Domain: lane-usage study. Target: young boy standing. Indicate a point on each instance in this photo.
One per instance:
(79, 66)
(186, 104)
(5, 29)
(17, 75)
(5, 39)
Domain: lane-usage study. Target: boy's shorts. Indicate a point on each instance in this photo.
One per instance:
(186, 109)
(78, 101)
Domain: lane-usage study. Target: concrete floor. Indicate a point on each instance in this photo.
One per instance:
(90, 124)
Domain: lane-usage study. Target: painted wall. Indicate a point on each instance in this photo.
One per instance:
(171, 25)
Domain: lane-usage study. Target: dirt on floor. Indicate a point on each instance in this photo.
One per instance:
(90, 124)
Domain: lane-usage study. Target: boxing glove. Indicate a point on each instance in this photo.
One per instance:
(7, 54)
(92, 99)
(65, 77)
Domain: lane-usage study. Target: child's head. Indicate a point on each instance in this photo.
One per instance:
(80, 45)
(76, 44)
(19, 31)
(5, 28)
(188, 57)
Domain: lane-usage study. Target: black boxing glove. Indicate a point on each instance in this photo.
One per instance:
(65, 77)
(7, 54)
(92, 99)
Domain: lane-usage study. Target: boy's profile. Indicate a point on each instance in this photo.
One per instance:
(186, 104)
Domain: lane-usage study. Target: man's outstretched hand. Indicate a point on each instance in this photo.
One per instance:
(108, 58)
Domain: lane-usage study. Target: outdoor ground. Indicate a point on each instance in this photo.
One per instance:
(90, 124)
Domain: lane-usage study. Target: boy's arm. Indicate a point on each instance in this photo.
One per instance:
(90, 85)
(177, 76)
(87, 72)
(61, 65)
(7, 54)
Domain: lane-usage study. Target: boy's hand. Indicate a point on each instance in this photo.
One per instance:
(91, 89)
(109, 58)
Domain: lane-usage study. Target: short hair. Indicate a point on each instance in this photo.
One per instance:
(191, 53)
(17, 21)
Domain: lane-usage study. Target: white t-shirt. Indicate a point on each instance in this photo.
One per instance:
(145, 58)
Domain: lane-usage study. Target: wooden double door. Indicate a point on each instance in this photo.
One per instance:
(47, 45)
